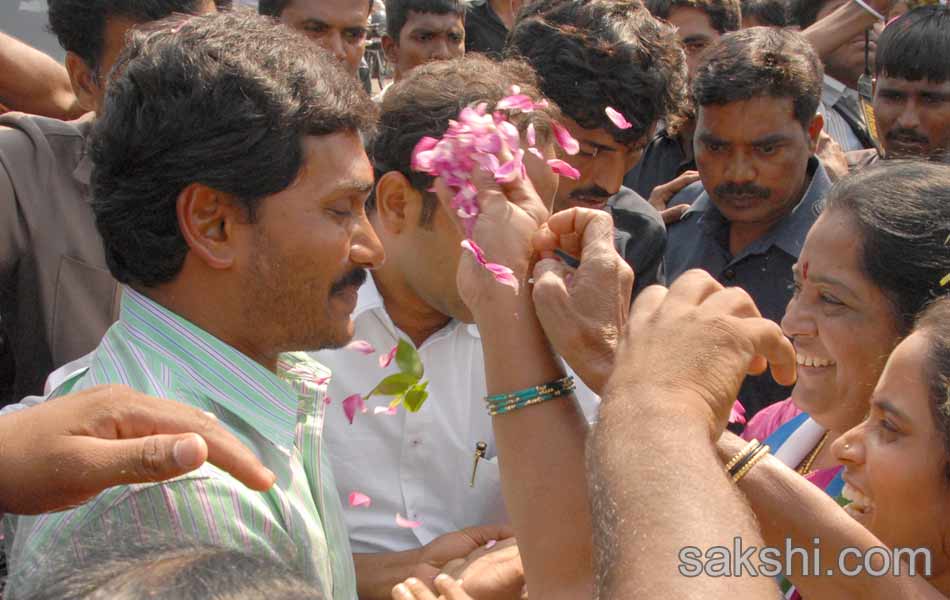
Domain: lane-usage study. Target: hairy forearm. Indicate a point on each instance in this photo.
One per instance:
(33, 82)
(790, 509)
(838, 28)
(541, 456)
(377, 574)
(658, 486)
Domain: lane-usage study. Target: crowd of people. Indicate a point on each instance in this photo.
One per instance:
(716, 313)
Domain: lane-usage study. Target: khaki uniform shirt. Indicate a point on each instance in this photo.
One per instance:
(57, 297)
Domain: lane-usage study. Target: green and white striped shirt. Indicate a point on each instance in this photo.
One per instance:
(298, 522)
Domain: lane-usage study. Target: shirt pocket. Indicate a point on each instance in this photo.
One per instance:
(482, 503)
(84, 307)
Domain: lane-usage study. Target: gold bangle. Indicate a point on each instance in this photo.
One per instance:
(752, 462)
(752, 445)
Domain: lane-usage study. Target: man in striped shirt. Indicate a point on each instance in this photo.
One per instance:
(228, 188)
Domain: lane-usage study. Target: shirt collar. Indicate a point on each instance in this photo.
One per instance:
(83, 171)
(789, 234)
(221, 373)
(831, 91)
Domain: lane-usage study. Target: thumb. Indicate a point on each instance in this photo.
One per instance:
(550, 293)
(674, 213)
(140, 460)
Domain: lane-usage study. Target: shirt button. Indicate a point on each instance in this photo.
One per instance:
(416, 442)
(729, 274)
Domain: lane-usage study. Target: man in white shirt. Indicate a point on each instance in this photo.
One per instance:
(421, 465)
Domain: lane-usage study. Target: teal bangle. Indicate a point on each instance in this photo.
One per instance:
(500, 404)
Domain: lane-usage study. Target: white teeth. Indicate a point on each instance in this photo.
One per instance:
(860, 503)
(811, 361)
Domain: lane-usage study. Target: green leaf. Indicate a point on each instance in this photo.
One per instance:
(408, 359)
(842, 501)
(394, 384)
(416, 396)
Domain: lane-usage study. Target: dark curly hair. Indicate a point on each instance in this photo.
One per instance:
(80, 25)
(724, 15)
(591, 54)
(397, 12)
(422, 103)
(772, 13)
(223, 100)
(761, 61)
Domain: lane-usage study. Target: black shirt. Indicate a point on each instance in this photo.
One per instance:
(663, 161)
(639, 236)
(484, 30)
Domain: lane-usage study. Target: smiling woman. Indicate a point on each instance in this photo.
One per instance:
(871, 262)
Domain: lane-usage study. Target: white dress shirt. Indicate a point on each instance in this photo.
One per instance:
(416, 464)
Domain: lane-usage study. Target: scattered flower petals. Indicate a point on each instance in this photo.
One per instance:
(564, 169)
(360, 499)
(360, 346)
(327, 401)
(386, 359)
(537, 153)
(406, 523)
(502, 274)
(617, 118)
(516, 102)
(737, 414)
(531, 135)
(351, 404)
(565, 139)
(389, 410)
(490, 544)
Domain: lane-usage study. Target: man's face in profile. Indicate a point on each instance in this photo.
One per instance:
(338, 26)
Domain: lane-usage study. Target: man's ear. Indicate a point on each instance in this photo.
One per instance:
(84, 81)
(398, 204)
(389, 48)
(206, 218)
(814, 130)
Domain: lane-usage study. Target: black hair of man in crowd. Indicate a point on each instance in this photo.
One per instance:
(916, 45)
(765, 13)
(435, 93)
(174, 571)
(80, 25)
(397, 11)
(724, 15)
(209, 116)
(274, 8)
(598, 53)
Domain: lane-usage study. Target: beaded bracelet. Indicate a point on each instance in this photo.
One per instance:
(500, 404)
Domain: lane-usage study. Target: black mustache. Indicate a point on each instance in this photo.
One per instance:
(907, 135)
(354, 278)
(745, 189)
(594, 191)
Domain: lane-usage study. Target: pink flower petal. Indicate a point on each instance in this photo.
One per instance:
(531, 135)
(516, 102)
(389, 410)
(490, 544)
(472, 247)
(351, 404)
(737, 414)
(503, 275)
(360, 499)
(360, 346)
(617, 118)
(386, 359)
(507, 172)
(564, 169)
(322, 380)
(406, 523)
(326, 400)
(537, 153)
(565, 139)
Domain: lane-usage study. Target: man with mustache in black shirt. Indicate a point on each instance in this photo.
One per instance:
(761, 186)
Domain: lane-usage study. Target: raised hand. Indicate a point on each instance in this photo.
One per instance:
(63, 452)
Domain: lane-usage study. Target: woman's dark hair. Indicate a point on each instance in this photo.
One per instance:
(773, 13)
(397, 12)
(591, 54)
(80, 25)
(902, 210)
(934, 323)
(423, 102)
(724, 15)
(916, 46)
(172, 571)
(761, 61)
(223, 100)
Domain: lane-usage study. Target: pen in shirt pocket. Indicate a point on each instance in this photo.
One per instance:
(480, 449)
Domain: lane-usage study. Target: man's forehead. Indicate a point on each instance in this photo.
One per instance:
(433, 21)
(747, 119)
(885, 81)
(340, 13)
